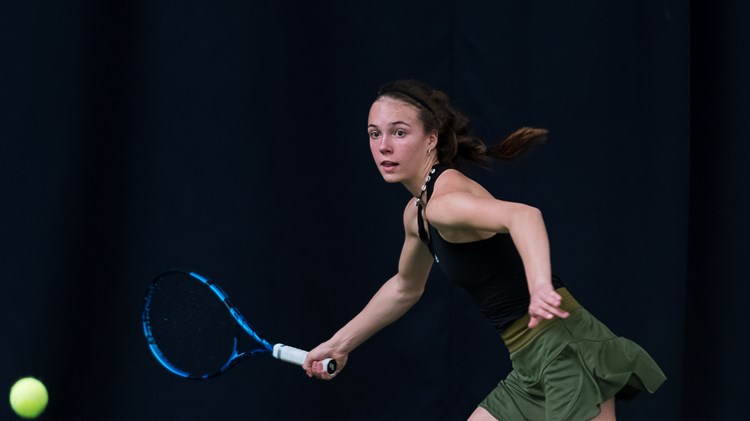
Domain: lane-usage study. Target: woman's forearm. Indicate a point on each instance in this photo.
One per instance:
(530, 237)
(391, 301)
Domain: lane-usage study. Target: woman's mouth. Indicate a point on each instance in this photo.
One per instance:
(388, 166)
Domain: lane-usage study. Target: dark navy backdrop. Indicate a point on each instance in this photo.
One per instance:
(229, 136)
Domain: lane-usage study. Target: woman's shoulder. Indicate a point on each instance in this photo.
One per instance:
(456, 206)
(452, 180)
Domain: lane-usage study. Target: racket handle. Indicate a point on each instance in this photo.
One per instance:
(297, 356)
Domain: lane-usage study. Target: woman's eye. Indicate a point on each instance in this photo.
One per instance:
(400, 133)
(374, 134)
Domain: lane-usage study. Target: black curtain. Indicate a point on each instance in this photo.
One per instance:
(715, 364)
(229, 137)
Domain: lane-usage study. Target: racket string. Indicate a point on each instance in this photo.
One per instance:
(191, 325)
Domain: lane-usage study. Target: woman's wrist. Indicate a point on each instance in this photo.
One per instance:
(540, 284)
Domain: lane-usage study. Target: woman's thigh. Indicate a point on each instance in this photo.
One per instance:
(481, 414)
(607, 411)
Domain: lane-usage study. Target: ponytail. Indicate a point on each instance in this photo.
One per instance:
(454, 140)
(517, 143)
(472, 149)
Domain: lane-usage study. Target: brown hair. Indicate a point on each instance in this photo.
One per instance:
(454, 138)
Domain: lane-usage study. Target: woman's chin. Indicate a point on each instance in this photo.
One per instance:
(390, 178)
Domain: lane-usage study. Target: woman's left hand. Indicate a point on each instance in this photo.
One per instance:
(545, 305)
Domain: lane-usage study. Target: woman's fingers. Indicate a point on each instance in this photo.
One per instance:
(546, 306)
(320, 371)
(533, 322)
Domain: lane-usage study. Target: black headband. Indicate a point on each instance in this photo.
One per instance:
(408, 94)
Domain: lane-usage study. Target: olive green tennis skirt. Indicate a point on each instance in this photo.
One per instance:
(564, 368)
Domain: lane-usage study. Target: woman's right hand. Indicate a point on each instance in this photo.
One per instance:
(313, 365)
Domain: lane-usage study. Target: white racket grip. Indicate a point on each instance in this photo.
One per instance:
(297, 356)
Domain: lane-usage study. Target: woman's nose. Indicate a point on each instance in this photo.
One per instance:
(385, 145)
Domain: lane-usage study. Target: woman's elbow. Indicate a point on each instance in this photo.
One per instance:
(410, 294)
(533, 213)
(525, 215)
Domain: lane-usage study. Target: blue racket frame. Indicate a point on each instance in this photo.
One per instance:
(236, 355)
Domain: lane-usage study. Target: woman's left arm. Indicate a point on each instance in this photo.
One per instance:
(460, 210)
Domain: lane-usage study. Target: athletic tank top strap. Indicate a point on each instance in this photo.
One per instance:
(429, 186)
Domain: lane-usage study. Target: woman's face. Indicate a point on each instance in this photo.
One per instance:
(398, 142)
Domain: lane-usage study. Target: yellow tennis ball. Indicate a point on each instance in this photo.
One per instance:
(28, 397)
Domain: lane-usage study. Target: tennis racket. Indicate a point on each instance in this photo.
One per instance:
(195, 332)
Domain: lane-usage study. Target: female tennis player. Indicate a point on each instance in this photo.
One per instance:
(566, 364)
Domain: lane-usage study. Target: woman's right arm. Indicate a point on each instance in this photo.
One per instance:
(393, 299)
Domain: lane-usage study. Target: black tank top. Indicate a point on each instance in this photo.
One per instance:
(490, 270)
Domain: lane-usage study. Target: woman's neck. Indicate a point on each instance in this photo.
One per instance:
(417, 185)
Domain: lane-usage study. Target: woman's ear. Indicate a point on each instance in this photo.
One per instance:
(432, 139)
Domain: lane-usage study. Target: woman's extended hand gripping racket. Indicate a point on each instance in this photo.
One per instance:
(194, 330)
